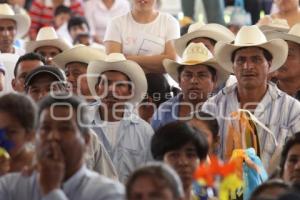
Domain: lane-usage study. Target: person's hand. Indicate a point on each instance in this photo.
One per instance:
(51, 167)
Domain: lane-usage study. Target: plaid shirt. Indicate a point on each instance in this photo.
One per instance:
(277, 111)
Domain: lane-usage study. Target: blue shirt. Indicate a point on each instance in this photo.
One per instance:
(132, 147)
(84, 184)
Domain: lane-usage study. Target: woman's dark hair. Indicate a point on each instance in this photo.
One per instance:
(210, 121)
(258, 193)
(162, 175)
(77, 21)
(294, 140)
(21, 108)
(175, 135)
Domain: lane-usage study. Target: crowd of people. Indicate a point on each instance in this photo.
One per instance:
(108, 100)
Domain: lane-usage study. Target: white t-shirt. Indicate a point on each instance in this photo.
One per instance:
(110, 130)
(143, 39)
(98, 15)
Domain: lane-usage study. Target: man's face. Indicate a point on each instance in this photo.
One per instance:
(15, 132)
(291, 169)
(58, 129)
(114, 87)
(18, 83)
(41, 86)
(251, 68)
(48, 52)
(291, 68)
(75, 30)
(184, 161)
(208, 44)
(76, 74)
(145, 188)
(8, 29)
(196, 83)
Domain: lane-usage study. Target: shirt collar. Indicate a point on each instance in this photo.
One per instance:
(74, 182)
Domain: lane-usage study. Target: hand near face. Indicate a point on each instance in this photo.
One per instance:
(51, 167)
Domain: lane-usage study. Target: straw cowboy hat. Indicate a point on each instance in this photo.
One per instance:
(23, 21)
(270, 24)
(195, 54)
(251, 36)
(117, 62)
(46, 37)
(293, 35)
(79, 53)
(216, 32)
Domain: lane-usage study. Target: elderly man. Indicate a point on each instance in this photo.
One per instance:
(251, 57)
(61, 174)
(24, 65)
(198, 74)
(120, 84)
(47, 44)
(74, 62)
(288, 75)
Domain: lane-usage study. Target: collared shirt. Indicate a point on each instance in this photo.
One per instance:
(84, 184)
(132, 147)
(166, 113)
(277, 111)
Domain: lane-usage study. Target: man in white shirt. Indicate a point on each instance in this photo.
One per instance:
(61, 174)
(251, 57)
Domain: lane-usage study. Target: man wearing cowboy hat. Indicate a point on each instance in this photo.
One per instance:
(288, 75)
(251, 57)
(12, 26)
(120, 84)
(47, 44)
(208, 34)
(74, 62)
(198, 74)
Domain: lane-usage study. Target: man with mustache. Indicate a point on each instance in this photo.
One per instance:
(198, 74)
(61, 144)
(251, 58)
(120, 85)
(288, 75)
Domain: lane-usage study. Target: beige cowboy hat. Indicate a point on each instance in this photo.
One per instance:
(251, 36)
(23, 21)
(118, 62)
(194, 54)
(216, 32)
(79, 53)
(269, 24)
(46, 37)
(293, 35)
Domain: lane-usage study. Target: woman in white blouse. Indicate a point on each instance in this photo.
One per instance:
(144, 35)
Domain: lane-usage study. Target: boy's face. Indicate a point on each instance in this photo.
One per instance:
(75, 30)
(60, 19)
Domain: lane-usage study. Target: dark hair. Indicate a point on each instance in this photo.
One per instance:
(27, 57)
(173, 136)
(276, 183)
(77, 21)
(78, 105)
(292, 141)
(158, 88)
(20, 107)
(210, 121)
(212, 41)
(161, 174)
(212, 71)
(62, 9)
(268, 56)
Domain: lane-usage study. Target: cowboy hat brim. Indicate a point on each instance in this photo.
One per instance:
(282, 35)
(23, 22)
(277, 47)
(214, 31)
(130, 68)
(83, 54)
(172, 66)
(31, 46)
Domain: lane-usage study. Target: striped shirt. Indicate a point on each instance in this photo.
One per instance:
(277, 111)
(42, 14)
